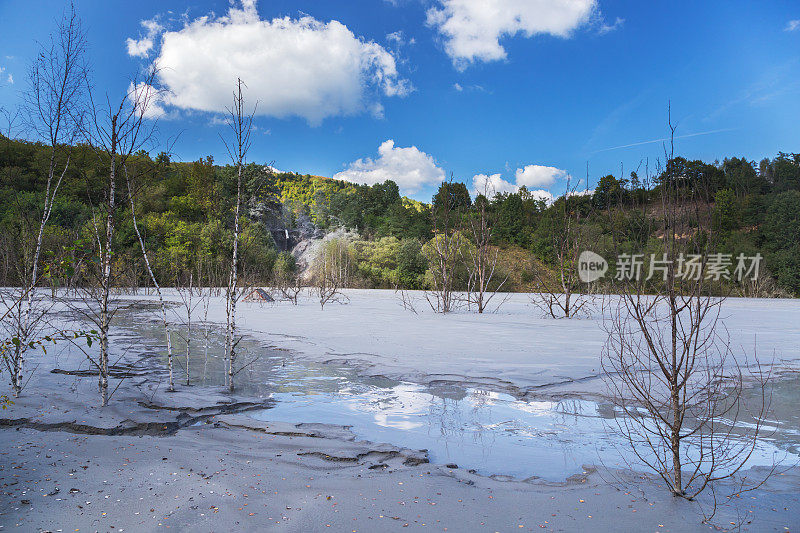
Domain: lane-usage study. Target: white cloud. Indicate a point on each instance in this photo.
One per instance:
(149, 100)
(792, 25)
(538, 176)
(534, 177)
(604, 28)
(141, 47)
(292, 67)
(545, 196)
(582, 192)
(409, 167)
(399, 39)
(9, 77)
(472, 88)
(489, 185)
(472, 29)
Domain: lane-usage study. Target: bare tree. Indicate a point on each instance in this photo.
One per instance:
(162, 304)
(288, 283)
(445, 252)
(117, 130)
(331, 270)
(405, 300)
(240, 122)
(54, 105)
(762, 285)
(191, 297)
(670, 368)
(560, 296)
(482, 261)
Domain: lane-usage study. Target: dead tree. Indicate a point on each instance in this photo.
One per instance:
(331, 270)
(191, 297)
(670, 368)
(162, 305)
(559, 296)
(116, 131)
(290, 288)
(444, 252)
(240, 121)
(54, 105)
(482, 261)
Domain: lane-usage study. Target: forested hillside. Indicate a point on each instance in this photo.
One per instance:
(184, 211)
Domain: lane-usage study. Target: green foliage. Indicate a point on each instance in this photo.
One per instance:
(185, 214)
(455, 248)
(742, 178)
(726, 215)
(453, 195)
(780, 234)
(258, 251)
(608, 193)
(510, 219)
(284, 268)
(411, 264)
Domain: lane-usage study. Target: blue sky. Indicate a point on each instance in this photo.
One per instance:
(455, 85)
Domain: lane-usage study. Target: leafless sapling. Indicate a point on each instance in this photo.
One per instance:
(156, 285)
(116, 130)
(670, 367)
(560, 295)
(240, 122)
(331, 269)
(482, 260)
(54, 109)
(445, 250)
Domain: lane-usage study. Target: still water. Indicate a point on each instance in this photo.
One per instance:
(487, 431)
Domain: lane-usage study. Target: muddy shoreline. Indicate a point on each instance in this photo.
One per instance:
(195, 460)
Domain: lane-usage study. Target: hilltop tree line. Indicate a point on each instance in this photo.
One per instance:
(185, 214)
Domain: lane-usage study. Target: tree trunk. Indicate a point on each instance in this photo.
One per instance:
(16, 377)
(189, 326)
(105, 317)
(232, 285)
(167, 332)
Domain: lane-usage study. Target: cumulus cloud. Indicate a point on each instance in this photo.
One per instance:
(538, 176)
(292, 67)
(490, 185)
(792, 25)
(472, 29)
(148, 100)
(535, 178)
(410, 168)
(141, 47)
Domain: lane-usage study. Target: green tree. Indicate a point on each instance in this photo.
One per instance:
(780, 234)
(411, 264)
(726, 215)
(608, 193)
(454, 194)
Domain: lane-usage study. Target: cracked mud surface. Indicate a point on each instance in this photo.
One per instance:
(198, 460)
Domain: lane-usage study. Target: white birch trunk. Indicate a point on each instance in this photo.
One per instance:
(167, 332)
(232, 285)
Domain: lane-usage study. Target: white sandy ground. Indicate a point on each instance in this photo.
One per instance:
(191, 461)
(515, 348)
